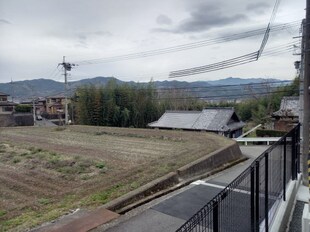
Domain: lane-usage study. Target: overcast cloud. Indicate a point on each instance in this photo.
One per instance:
(36, 34)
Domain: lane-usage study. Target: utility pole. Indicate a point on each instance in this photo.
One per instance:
(306, 94)
(67, 67)
(34, 111)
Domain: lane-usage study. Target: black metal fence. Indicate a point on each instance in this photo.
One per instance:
(249, 202)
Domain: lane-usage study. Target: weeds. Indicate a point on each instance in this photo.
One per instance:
(100, 165)
(16, 160)
(2, 213)
(60, 128)
(44, 201)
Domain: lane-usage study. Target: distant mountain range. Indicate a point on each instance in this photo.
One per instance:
(45, 87)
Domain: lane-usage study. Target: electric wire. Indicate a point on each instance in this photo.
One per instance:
(188, 46)
(237, 61)
(231, 96)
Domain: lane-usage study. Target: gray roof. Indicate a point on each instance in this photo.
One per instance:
(4, 94)
(209, 119)
(8, 103)
(289, 107)
(60, 95)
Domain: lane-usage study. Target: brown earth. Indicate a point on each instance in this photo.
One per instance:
(46, 172)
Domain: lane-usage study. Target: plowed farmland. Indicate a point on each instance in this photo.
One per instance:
(46, 172)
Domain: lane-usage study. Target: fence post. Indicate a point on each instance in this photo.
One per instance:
(252, 199)
(257, 195)
(284, 169)
(215, 216)
(266, 194)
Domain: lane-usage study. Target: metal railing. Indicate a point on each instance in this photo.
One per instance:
(249, 202)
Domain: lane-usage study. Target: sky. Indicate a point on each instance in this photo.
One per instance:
(36, 34)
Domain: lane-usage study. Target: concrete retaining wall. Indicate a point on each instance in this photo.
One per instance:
(20, 119)
(211, 161)
(144, 191)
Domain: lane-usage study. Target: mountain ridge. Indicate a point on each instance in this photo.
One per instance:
(47, 87)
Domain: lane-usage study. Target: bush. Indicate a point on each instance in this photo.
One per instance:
(269, 133)
(23, 108)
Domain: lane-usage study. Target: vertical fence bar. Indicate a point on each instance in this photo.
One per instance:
(252, 199)
(266, 194)
(298, 148)
(284, 169)
(293, 155)
(257, 196)
(215, 216)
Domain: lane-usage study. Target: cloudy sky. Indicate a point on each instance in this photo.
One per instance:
(36, 34)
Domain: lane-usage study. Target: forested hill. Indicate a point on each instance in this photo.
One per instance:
(46, 87)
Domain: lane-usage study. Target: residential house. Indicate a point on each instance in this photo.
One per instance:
(288, 115)
(39, 104)
(220, 120)
(55, 104)
(6, 107)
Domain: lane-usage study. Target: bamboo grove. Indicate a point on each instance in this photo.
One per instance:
(136, 105)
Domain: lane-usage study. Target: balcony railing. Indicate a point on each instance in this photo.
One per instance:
(249, 202)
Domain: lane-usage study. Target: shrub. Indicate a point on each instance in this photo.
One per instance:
(269, 133)
(23, 108)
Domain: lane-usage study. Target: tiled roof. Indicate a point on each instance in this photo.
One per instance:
(289, 107)
(61, 95)
(4, 94)
(210, 119)
(177, 119)
(8, 104)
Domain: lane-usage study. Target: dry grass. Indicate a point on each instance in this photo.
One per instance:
(46, 172)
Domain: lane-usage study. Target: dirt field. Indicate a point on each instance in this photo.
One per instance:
(46, 172)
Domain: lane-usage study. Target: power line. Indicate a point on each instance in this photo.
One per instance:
(251, 57)
(266, 35)
(222, 96)
(188, 46)
(255, 86)
(280, 49)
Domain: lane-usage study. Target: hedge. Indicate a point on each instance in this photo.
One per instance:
(269, 133)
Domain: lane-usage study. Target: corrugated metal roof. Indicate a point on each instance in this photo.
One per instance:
(209, 119)
(289, 107)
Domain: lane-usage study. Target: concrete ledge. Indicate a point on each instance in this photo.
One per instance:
(211, 161)
(144, 191)
(306, 219)
(283, 212)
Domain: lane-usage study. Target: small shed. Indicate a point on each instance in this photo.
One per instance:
(220, 120)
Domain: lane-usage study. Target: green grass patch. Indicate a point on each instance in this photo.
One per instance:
(105, 196)
(2, 213)
(100, 165)
(44, 201)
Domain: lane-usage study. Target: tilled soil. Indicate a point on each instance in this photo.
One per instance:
(45, 172)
